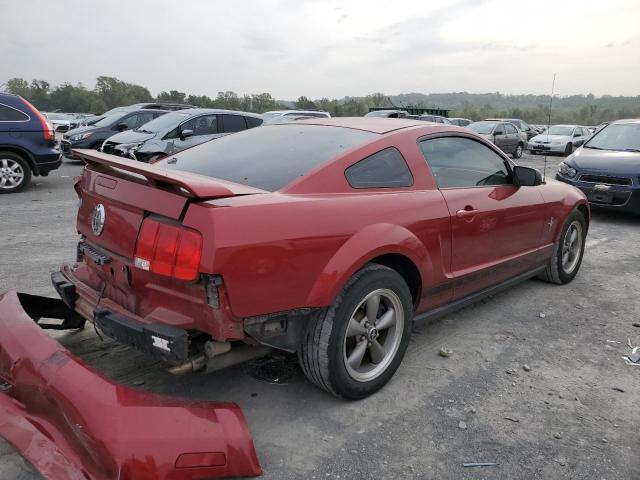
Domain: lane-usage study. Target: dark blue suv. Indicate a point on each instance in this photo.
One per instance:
(27, 144)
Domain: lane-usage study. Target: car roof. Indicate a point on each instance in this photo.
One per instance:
(296, 111)
(370, 124)
(200, 111)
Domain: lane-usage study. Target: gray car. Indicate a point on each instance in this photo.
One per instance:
(559, 139)
(177, 131)
(504, 135)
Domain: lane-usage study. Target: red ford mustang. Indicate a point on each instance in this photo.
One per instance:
(325, 237)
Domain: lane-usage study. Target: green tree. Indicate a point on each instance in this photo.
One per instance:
(303, 103)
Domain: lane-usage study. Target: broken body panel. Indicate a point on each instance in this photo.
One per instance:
(72, 423)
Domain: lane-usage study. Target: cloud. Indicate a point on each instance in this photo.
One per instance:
(323, 47)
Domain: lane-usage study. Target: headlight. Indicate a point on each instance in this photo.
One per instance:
(80, 136)
(128, 147)
(566, 171)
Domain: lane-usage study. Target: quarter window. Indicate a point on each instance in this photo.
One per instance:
(458, 162)
(385, 169)
(8, 114)
(253, 122)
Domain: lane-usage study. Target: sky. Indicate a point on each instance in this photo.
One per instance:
(328, 48)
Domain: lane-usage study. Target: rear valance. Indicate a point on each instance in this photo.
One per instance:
(198, 186)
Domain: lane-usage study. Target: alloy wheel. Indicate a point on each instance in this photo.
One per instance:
(374, 333)
(571, 247)
(11, 173)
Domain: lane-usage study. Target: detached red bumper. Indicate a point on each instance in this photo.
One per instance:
(72, 423)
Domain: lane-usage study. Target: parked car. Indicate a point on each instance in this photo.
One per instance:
(215, 249)
(607, 167)
(176, 131)
(521, 124)
(461, 122)
(505, 135)
(559, 139)
(92, 136)
(276, 115)
(388, 113)
(27, 144)
(171, 107)
(61, 122)
(435, 119)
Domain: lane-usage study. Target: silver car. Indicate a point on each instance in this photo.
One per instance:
(559, 139)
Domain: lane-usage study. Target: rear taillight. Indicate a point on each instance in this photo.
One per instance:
(168, 249)
(46, 128)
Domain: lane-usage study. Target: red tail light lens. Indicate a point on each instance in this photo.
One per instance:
(46, 128)
(169, 250)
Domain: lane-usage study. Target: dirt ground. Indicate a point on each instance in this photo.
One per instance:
(563, 419)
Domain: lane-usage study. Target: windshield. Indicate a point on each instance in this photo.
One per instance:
(268, 157)
(483, 128)
(557, 130)
(622, 136)
(109, 120)
(163, 122)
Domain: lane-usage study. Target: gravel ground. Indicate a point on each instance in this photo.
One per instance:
(562, 419)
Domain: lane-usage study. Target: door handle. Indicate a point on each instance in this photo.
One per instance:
(466, 212)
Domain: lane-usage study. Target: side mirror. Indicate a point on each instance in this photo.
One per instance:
(186, 133)
(122, 127)
(526, 177)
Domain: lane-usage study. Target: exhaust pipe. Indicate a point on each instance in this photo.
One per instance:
(219, 355)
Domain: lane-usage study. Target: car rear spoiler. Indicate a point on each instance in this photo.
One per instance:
(198, 186)
(72, 423)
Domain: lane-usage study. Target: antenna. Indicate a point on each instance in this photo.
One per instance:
(553, 88)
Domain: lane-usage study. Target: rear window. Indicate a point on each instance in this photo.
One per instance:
(268, 157)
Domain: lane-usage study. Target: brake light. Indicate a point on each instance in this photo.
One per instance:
(169, 250)
(48, 132)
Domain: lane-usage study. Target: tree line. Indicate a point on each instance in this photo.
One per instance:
(110, 92)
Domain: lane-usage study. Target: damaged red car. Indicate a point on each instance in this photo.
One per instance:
(324, 237)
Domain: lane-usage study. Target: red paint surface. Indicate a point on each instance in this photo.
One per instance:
(72, 423)
(297, 247)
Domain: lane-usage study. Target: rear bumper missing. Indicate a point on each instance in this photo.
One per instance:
(72, 423)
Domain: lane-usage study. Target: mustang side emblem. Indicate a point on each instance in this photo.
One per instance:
(551, 222)
(97, 220)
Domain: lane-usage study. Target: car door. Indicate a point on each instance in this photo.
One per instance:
(496, 227)
(512, 137)
(500, 137)
(578, 136)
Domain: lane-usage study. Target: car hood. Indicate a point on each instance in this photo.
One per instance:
(76, 131)
(605, 160)
(131, 136)
(552, 138)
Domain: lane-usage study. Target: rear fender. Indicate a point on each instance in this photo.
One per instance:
(369, 243)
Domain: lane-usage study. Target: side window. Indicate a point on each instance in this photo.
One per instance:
(499, 129)
(508, 128)
(131, 121)
(8, 114)
(385, 169)
(144, 117)
(253, 122)
(205, 125)
(458, 162)
(233, 123)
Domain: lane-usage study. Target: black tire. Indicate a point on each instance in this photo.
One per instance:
(555, 271)
(568, 149)
(517, 153)
(10, 164)
(322, 354)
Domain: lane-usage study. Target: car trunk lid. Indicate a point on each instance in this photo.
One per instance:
(117, 193)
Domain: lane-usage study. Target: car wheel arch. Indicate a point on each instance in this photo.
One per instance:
(390, 245)
(23, 153)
